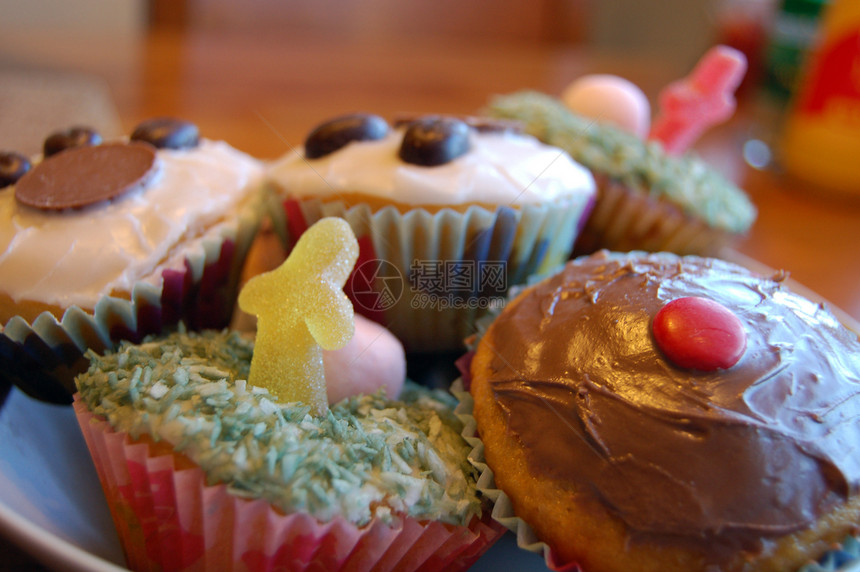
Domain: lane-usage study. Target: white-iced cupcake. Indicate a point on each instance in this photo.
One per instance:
(449, 212)
(104, 241)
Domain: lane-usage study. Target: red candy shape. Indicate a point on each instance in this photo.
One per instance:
(689, 106)
(699, 333)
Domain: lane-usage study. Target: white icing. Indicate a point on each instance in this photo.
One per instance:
(500, 168)
(74, 257)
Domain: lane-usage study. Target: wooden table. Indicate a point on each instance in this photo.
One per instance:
(263, 93)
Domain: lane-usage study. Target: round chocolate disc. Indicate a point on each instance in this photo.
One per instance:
(83, 176)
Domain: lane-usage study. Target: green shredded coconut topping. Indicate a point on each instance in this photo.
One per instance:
(685, 180)
(367, 457)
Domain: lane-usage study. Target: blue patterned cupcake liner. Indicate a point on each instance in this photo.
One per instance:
(842, 558)
(428, 276)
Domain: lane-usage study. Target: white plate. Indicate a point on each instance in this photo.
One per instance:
(51, 502)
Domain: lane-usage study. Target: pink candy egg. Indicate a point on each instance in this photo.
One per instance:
(372, 359)
(699, 333)
(610, 99)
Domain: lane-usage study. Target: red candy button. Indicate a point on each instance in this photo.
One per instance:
(699, 333)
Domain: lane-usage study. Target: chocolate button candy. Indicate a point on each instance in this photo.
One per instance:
(12, 167)
(72, 137)
(82, 176)
(434, 141)
(334, 134)
(167, 133)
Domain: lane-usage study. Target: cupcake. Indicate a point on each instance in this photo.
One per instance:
(658, 412)
(647, 198)
(104, 241)
(449, 212)
(218, 452)
(204, 471)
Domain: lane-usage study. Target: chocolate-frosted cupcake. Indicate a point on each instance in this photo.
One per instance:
(647, 199)
(449, 212)
(656, 412)
(103, 241)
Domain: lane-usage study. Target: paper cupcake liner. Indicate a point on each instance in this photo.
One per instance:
(844, 557)
(43, 357)
(428, 276)
(5, 388)
(168, 518)
(503, 510)
(626, 219)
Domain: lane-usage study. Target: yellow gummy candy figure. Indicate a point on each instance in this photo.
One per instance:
(301, 309)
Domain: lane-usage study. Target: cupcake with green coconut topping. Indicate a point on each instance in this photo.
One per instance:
(367, 457)
(647, 198)
(189, 451)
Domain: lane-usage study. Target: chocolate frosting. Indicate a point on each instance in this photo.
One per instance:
(718, 458)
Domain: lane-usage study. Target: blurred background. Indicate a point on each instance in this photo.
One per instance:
(669, 26)
(57, 35)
